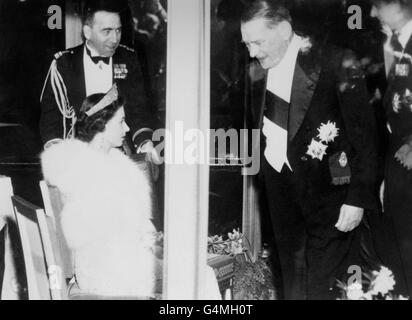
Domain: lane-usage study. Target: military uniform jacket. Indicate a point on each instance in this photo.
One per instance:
(126, 73)
(328, 87)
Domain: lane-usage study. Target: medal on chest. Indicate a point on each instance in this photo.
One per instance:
(120, 71)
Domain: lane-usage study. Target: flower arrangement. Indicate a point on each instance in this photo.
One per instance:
(252, 280)
(379, 286)
(234, 245)
(327, 133)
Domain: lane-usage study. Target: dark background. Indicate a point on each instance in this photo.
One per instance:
(27, 46)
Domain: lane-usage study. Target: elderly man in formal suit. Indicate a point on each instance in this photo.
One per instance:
(318, 149)
(94, 67)
(396, 20)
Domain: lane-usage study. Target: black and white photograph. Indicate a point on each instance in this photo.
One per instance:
(213, 150)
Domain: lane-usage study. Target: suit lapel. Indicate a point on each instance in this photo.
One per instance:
(303, 87)
(392, 81)
(408, 48)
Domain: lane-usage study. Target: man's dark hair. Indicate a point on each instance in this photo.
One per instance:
(274, 11)
(86, 127)
(93, 6)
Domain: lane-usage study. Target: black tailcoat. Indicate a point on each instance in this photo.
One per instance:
(328, 85)
(325, 90)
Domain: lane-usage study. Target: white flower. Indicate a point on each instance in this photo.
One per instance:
(383, 282)
(316, 150)
(354, 291)
(328, 132)
(401, 297)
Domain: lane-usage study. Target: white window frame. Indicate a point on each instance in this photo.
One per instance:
(187, 186)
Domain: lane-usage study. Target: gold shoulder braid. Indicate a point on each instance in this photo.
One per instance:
(60, 95)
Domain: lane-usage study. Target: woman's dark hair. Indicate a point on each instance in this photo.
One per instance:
(86, 127)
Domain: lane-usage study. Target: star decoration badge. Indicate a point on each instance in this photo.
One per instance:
(327, 132)
(316, 150)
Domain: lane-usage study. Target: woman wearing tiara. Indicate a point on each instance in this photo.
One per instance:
(106, 218)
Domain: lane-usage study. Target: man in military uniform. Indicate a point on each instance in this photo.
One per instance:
(396, 19)
(318, 149)
(94, 67)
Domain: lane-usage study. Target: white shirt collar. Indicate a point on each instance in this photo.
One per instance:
(280, 77)
(405, 34)
(93, 53)
(98, 77)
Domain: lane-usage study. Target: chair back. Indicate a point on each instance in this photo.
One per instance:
(33, 249)
(14, 278)
(53, 205)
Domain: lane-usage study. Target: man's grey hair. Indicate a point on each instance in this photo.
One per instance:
(273, 11)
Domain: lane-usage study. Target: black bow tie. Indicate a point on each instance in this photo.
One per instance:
(96, 59)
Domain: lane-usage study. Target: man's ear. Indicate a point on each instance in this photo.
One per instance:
(87, 31)
(285, 30)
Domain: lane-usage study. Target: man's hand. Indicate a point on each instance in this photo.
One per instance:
(349, 218)
(151, 153)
